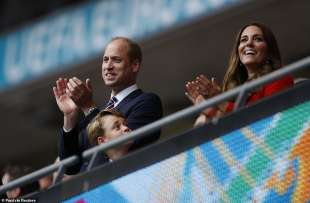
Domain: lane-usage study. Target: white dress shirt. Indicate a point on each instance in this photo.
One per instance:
(124, 93)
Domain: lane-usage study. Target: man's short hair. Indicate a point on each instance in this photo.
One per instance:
(95, 127)
(134, 49)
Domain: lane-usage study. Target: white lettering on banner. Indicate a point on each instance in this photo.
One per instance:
(46, 45)
(55, 41)
(216, 3)
(166, 15)
(133, 19)
(99, 22)
(77, 33)
(33, 50)
(12, 69)
(193, 7)
(62, 43)
(74, 38)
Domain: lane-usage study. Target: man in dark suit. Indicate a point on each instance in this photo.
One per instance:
(121, 63)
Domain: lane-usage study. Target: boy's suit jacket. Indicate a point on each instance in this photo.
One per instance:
(138, 107)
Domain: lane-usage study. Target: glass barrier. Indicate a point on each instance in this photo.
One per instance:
(266, 161)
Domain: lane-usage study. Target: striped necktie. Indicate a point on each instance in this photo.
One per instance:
(111, 103)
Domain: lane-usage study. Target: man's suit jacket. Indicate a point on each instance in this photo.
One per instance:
(138, 107)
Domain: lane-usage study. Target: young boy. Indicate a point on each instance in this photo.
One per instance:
(106, 126)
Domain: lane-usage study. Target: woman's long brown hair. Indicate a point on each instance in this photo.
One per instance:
(236, 73)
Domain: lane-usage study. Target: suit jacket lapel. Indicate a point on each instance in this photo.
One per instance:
(127, 99)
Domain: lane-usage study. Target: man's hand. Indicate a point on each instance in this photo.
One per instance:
(81, 93)
(65, 103)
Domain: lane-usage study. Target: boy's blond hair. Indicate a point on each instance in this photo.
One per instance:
(95, 127)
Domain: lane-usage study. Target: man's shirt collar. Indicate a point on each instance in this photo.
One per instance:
(124, 93)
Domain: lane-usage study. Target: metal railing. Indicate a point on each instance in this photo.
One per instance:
(238, 92)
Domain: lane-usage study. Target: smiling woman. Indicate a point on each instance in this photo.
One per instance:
(254, 54)
(252, 50)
